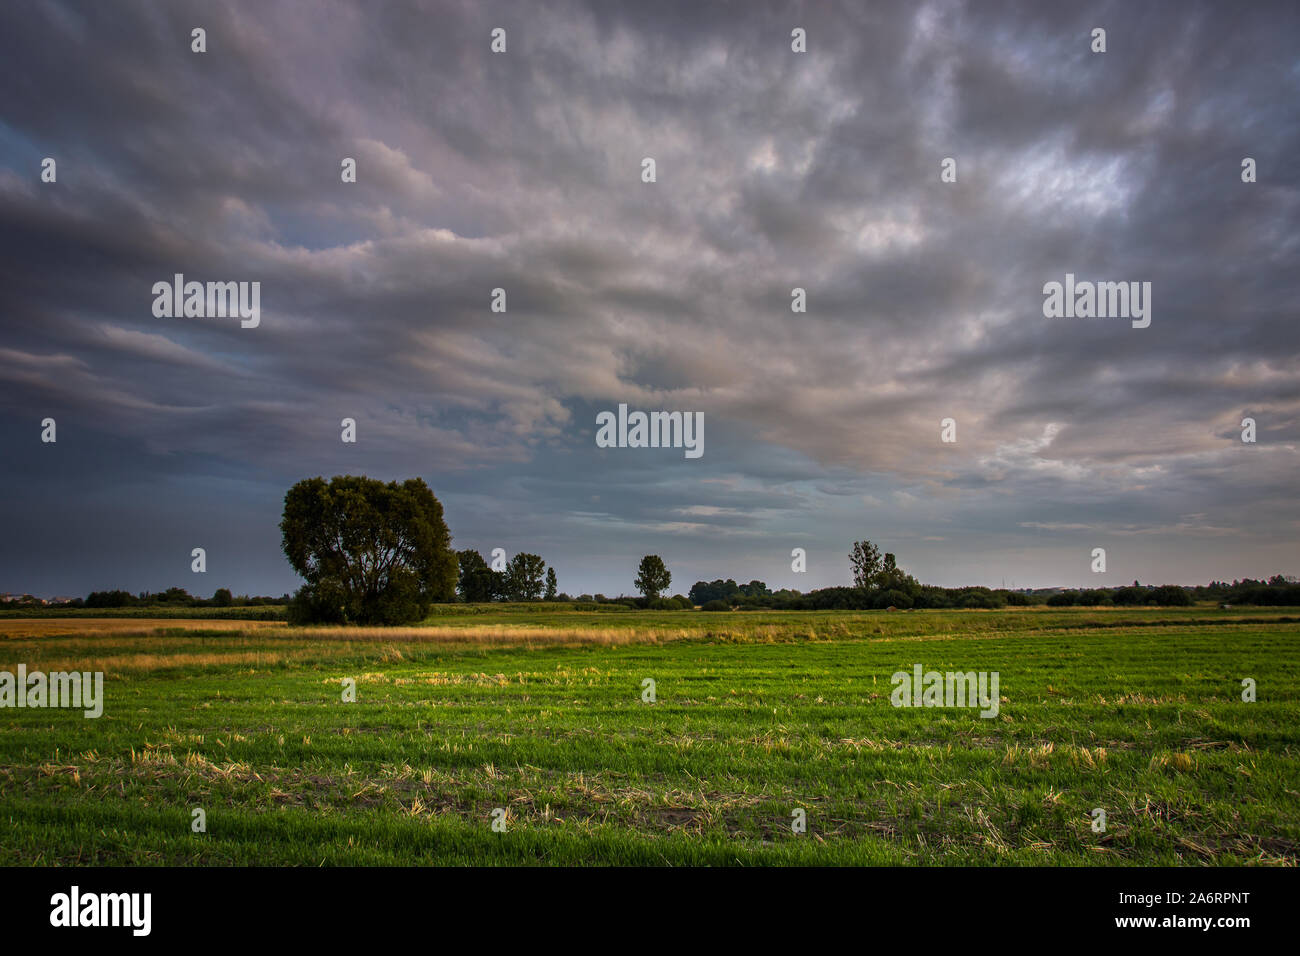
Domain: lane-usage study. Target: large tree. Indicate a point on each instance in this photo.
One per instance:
(652, 576)
(370, 552)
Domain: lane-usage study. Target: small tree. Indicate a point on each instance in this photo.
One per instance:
(865, 558)
(552, 584)
(176, 596)
(890, 576)
(652, 576)
(523, 579)
(222, 598)
(477, 583)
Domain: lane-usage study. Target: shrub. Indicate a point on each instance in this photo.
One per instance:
(664, 604)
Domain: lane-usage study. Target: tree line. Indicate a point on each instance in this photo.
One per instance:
(174, 597)
(524, 578)
(371, 552)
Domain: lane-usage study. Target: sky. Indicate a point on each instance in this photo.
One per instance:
(774, 170)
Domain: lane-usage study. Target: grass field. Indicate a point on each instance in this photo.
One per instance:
(540, 714)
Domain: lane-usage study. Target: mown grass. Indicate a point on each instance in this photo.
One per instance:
(1136, 711)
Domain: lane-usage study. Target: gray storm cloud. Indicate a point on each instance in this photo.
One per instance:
(775, 170)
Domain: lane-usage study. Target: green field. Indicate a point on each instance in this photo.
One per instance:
(539, 713)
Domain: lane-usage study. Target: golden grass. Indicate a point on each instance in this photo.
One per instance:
(495, 634)
(120, 626)
(116, 645)
(118, 663)
(145, 662)
(103, 628)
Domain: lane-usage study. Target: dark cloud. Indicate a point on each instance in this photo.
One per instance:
(775, 170)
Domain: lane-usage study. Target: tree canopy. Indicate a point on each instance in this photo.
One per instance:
(653, 576)
(866, 562)
(524, 576)
(478, 583)
(370, 552)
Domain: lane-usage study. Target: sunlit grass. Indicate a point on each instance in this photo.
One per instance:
(1135, 711)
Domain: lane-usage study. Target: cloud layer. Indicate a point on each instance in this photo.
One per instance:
(775, 170)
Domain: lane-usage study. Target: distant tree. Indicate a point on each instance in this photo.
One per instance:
(865, 559)
(1133, 595)
(552, 584)
(370, 552)
(703, 592)
(896, 599)
(478, 583)
(652, 576)
(979, 598)
(523, 577)
(222, 597)
(175, 596)
(110, 599)
(1170, 595)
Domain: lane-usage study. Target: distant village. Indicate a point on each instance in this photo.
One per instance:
(8, 598)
